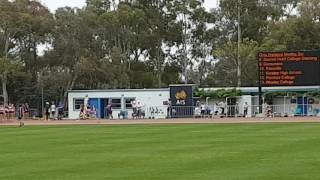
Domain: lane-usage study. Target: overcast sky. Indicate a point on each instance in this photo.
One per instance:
(54, 4)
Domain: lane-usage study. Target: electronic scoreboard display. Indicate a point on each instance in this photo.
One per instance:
(290, 68)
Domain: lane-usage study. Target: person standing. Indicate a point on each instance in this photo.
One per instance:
(169, 107)
(47, 111)
(109, 110)
(222, 107)
(26, 111)
(53, 110)
(203, 109)
(134, 108)
(245, 109)
(139, 109)
(20, 112)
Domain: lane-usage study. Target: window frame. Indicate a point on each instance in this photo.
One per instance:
(125, 102)
(118, 104)
(74, 103)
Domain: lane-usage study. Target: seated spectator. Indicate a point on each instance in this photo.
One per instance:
(83, 114)
(269, 111)
(93, 112)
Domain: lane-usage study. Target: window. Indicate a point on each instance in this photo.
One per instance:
(116, 103)
(128, 102)
(77, 104)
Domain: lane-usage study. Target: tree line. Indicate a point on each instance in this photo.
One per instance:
(144, 43)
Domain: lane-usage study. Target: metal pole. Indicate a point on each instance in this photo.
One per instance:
(260, 98)
(284, 105)
(239, 44)
(303, 105)
(42, 99)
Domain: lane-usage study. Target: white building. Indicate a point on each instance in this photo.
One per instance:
(152, 101)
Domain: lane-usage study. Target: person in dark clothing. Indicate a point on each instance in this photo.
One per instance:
(47, 111)
(20, 112)
(109, 111)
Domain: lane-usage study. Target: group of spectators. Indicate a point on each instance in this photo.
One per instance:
(53, 112)
(220, 109)
(10, 112)
(137, 109)
(87, 111)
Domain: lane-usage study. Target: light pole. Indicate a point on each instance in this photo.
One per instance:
(40, 81)
(239, 45)
(42, 99)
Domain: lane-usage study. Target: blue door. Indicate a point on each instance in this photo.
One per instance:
(302, 108)
(102, 108)
(96, 103)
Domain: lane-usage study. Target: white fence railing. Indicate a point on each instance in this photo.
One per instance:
(282, 110)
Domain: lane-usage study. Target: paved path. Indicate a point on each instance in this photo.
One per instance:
(168, 121)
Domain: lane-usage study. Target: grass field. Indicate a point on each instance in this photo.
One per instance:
(183, 152)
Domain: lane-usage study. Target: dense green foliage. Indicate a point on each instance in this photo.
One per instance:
(144, 44)
(221, 93)
(182, 152)
(292, 94)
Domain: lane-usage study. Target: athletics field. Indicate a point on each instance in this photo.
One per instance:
(162, 152)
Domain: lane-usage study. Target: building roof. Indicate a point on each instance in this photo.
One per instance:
(179, 85)
(118, 90)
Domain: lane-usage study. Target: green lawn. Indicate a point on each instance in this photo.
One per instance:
(163, 152)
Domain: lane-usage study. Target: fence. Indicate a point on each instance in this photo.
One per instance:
(280, 110)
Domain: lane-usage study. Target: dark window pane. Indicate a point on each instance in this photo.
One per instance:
(128, 102)
(116, 103)
(78, 103)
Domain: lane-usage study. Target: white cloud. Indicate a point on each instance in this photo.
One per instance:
(55, 4)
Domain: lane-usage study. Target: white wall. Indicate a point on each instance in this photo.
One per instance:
(148, 98)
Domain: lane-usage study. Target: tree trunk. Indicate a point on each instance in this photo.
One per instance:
(4, 76)
(4, 79)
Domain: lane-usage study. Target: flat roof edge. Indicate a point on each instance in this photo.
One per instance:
(117, 90)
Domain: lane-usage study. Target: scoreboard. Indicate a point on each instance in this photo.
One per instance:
(289, 68)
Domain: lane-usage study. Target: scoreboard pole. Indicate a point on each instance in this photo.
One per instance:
(259, 85)
(260, 98)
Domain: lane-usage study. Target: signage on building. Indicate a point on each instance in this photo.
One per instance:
(181, 95)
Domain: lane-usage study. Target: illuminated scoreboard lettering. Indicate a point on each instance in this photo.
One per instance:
(294, 68)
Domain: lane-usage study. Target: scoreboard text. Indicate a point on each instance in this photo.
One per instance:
(294, 68)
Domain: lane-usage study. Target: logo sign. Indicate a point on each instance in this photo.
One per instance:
(181, 95)
(289, 68)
